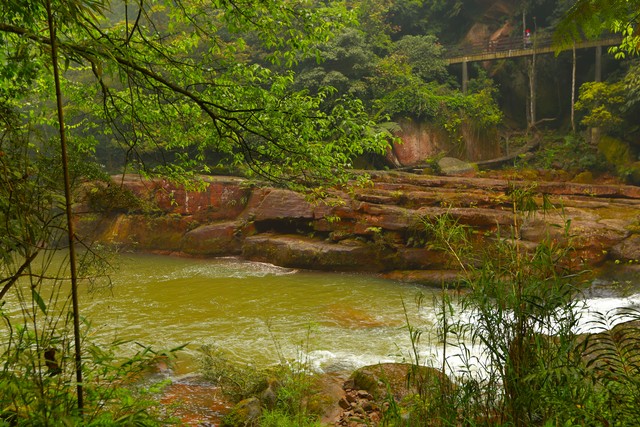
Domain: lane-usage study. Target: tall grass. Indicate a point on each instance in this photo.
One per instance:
(37, 354)
(521, 305)
(285, 394)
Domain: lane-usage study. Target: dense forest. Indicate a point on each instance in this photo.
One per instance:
(296, 93)
(367, 66)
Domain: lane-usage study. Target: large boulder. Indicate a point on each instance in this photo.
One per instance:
(401, 379)
(275, 204)
(371, 389)
(628, 250)
(136, 232)
(455, 167)
(420, 141)
(305, 252)
(217, 239)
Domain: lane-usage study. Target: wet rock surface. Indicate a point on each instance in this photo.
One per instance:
(378, 228)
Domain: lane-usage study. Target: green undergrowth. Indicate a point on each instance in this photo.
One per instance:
(36, 386)
(283, 395)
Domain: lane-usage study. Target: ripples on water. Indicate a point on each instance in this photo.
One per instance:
(257, 312)
(261, 314)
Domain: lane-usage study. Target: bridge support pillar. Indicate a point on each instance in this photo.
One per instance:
(598, 70)
(465, 76)
(595, 132)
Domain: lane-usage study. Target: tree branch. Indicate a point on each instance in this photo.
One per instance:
(14, 278)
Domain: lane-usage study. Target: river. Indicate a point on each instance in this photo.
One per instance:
(258, 313)
(261, 314)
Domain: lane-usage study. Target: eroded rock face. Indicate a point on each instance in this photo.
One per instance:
(380, 228)
(218, 198)
(276, 204)
(310, 253)
(419, 142)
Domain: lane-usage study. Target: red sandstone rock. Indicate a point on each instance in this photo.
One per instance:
(276, 204)
(304, 252)
(378, 229)
(218, 239)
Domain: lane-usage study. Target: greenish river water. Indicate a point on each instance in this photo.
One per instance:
(257, 312)
(261, 314)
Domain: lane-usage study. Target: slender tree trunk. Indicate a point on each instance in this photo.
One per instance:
(527, 105)
(573, 90)
(595, 132)
(67, 195)
(465, 76)
(532, 91)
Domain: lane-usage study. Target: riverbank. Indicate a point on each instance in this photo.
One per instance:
(377, 228)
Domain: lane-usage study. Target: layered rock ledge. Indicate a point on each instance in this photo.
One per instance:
(372, 229)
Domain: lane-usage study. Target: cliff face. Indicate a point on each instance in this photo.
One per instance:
(490, 20)
(375, 229)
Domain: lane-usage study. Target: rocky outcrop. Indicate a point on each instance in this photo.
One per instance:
(311, 253)
(452, 167)
(421, 142)
(378, 228)
(357, 401)
(370, 390)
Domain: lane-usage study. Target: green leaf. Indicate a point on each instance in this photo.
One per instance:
(39, 301)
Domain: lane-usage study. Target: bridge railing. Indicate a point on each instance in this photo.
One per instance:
(535, 41)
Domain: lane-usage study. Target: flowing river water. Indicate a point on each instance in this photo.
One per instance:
(261, 314)
(258, 313)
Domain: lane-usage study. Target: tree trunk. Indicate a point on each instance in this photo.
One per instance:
(595, 132)
(532, 91)
(573, 90)
(67, 195)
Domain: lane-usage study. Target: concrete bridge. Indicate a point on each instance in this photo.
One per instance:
(513, 47)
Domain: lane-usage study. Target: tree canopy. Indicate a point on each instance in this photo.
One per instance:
(592, 18)
(287, 90)
(176, 85)
(175, 78)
